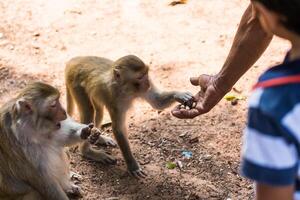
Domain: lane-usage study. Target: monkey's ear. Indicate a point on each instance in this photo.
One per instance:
(117, 74)
(23, 106)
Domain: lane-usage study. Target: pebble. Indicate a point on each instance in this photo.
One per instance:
(179, 164)
(112, 198)
(234, 102)
(182, 135)
(194, 104)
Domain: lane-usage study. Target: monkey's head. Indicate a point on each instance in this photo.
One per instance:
(132, 73)
(38, 106)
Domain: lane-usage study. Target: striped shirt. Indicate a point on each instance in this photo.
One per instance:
(271, 146)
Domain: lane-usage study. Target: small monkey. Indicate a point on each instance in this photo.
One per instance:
(34, 129)
(95, 82)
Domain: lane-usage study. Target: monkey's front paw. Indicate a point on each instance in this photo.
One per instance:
(106, 141)
(74, 192)
(95, 135)
(105, 158)
(183, 97)
(86, 131)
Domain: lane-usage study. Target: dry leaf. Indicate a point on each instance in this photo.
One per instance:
(174, 3)
(231, 97)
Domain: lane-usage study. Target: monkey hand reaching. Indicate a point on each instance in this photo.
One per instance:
(185, 98)
(90, 133)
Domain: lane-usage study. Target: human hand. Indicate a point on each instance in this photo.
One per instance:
(205, 99)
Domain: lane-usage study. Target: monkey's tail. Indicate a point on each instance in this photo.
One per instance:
(70, 102)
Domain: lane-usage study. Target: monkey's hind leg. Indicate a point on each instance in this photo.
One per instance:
(86, 111)
(70, 102)
(83, 103)
(98, 108)
(96, 155)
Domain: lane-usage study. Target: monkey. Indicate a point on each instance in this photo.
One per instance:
(34, 129)
(94, 82)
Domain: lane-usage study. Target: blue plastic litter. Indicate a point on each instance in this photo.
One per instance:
(187, 154)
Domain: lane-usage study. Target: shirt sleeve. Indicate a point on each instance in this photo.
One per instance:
(268, 156)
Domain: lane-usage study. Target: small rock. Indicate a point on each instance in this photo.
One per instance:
(234, 102)
(112, 198)
(179, 164)
(182, 135)
(63, 48)
(153, 129)
(207, 157)
(194, 104)
(36, 34)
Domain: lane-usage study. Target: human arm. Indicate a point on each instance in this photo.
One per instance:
(249, 43)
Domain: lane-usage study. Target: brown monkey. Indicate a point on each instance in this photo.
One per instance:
(34, 128)
(94, 82)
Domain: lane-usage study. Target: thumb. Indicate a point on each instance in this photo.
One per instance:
(194, 81)
(202, 80)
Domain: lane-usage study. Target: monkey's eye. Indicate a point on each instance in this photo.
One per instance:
(142, 77)
(53, 104)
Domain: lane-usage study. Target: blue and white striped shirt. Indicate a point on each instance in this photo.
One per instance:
(271, 148)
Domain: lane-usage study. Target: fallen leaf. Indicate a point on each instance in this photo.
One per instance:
(231, 97)
(194, 140)
(171, 165)
(174, 3)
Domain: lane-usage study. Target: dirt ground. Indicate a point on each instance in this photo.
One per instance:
(37, 37)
